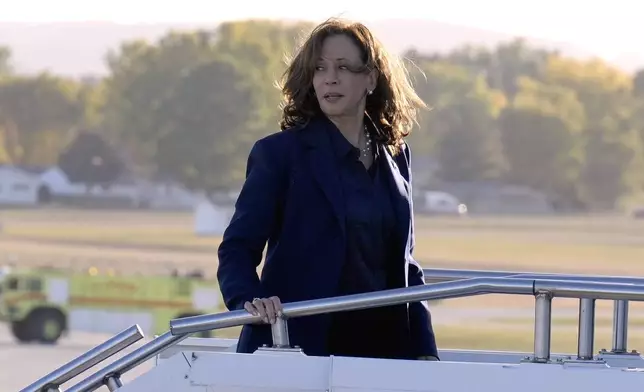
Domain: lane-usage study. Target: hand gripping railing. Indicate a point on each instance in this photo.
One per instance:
(55, 379)
(543, 290)
(620, 307)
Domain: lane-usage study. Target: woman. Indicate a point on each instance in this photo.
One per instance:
(331, 194)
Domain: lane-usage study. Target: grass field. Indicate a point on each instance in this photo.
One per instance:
(146, 243)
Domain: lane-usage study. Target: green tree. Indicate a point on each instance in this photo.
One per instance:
(258, 49)
(613, 167)
(6, 68)
(638, 84)
(201, 131)
(38, 116)
(461, 130)
(503, 65)
(540, 132)
(152, 86)
(142, 76)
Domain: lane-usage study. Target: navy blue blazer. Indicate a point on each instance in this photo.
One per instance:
(292, 199)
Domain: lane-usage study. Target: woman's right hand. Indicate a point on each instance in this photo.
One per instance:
(267, 308)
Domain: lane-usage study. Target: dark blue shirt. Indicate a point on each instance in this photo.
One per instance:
(370, 219)
(371, 232)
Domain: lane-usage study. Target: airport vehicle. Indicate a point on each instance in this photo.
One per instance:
(185, 363)
(43, 304)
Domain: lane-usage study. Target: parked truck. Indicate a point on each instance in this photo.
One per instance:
(42, 305)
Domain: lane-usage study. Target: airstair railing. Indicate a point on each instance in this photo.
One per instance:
(115, 344)
(544, 291)
(433, 275)
(110, 375)
(620, 307)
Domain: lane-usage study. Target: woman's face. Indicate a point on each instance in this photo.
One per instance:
(339, 89)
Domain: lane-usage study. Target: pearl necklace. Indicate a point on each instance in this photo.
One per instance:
(366, 151)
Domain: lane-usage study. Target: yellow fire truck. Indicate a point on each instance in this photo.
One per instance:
(43, 304)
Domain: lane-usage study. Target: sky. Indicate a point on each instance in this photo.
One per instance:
(608, 28)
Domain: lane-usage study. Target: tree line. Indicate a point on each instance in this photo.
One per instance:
(190, 105)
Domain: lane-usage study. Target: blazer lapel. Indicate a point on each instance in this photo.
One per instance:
(400, 192)
(322, 163)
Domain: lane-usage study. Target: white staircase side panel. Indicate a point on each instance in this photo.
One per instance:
(190, 345)
(170, 376)
(292, 372)
(396, 376)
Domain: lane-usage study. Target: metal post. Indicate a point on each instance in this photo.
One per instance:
(620, 326)
(586, 332)
(280, 333)
(113, 383)
(542, 326)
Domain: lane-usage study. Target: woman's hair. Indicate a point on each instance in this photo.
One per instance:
(393, 104)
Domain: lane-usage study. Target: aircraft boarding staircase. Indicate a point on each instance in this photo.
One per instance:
(205, 365)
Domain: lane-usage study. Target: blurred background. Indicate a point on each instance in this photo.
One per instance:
(125, 128)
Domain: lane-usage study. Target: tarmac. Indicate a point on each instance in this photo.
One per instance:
(23, 364)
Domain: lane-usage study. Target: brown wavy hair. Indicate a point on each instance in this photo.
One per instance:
(392, 106)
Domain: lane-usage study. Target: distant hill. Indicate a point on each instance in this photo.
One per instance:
(77, 49)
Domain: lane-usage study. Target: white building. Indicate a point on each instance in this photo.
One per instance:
(210, 219)
(22, 186)
(18, 187)
(137, 191)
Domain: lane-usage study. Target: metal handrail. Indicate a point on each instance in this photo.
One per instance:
(433, 275)
(126, 363)
(620, 307)
(55, 379)
(543, 290)
(463, 288)
(443, 290)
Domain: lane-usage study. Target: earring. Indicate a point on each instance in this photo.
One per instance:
(369, 92)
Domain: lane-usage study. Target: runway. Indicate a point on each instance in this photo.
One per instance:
(23, 364)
